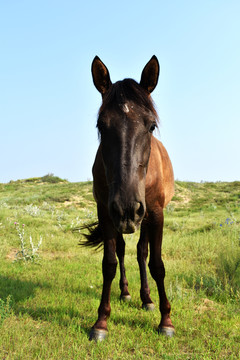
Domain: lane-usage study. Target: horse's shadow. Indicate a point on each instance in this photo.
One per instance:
(18, 289)
(21, 290)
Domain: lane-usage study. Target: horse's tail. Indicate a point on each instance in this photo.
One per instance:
(94, 239)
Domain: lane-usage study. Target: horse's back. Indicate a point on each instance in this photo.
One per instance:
(160, 178)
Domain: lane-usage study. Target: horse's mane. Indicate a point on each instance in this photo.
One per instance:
(124, 91)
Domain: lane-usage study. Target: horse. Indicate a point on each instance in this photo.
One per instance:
(132, 182)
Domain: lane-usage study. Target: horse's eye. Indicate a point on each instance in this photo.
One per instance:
(152, 128)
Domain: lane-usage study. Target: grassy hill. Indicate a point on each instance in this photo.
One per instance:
(49, 303)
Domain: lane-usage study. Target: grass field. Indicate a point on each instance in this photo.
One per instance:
(48, 304)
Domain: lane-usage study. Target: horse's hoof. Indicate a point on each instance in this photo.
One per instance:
(149, 307)
(167, 331)
(98, 334)
(125, 298)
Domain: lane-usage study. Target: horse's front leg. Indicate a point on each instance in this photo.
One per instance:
(109, 264)
(156, 266)
(142, 253)
(123, 283)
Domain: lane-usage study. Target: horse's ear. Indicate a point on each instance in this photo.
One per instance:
(150, 73)
(100, 74)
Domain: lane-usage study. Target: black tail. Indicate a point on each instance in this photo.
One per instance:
(94, 239)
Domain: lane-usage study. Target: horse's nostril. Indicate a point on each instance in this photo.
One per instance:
(140, 209)
(116, 209)
(114, 206)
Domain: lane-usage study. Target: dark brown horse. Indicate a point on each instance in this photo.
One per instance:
(133, 182)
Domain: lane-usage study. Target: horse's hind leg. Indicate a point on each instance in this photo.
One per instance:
(156, 266)
(142, 253)
(125, 296)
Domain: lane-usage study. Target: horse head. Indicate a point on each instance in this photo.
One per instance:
(126, 120)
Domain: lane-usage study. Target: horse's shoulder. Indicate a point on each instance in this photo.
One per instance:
(160, 178)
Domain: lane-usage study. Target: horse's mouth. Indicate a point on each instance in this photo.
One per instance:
(127, 227)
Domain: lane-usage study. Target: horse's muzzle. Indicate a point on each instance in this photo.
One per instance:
(127, 219)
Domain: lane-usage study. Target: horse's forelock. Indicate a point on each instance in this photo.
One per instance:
(127, 90)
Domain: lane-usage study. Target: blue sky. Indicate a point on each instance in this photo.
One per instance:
(48, 103)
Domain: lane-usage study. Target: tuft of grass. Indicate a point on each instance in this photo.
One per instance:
(5, 308)
(228, 270)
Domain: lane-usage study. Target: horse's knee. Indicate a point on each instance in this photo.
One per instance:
(109, 268)
(142, 252)
(120, 247)
(157, 270)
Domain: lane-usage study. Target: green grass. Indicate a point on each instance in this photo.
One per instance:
(47, 309)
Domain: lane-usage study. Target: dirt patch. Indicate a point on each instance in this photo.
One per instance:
(181, 195)
(12, 254)
(207, 305)
(75, 201)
